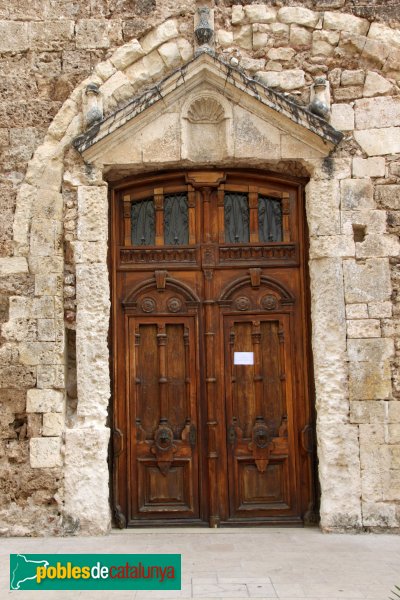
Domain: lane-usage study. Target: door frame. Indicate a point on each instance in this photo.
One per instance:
(308, 438)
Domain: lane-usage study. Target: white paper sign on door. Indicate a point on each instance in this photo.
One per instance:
(243, 358)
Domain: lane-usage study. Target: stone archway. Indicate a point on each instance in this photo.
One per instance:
(41, 221)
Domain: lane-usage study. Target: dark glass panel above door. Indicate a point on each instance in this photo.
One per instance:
(143, 223)
(176, 229)
(236, 209)
(269, 219)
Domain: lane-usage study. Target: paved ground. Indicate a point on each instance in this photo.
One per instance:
(238, 563)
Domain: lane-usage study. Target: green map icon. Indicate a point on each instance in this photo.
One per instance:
(24, 570)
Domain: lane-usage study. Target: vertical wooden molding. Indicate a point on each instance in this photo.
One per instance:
(253, 207)
(159, 208)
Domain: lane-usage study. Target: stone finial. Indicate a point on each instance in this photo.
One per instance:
(92, 105)
(320, 100)
(204, 29)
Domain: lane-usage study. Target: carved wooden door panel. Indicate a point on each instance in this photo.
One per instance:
(163, 412)
(208, 271)
(262, 477)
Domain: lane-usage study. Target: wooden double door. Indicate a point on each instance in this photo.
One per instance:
(212, 421)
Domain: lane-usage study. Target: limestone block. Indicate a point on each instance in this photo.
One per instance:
(329, 332)
(379, 310)
(352, 77)
(149, 67)
(104, 70)
(92, 214)
(224, 38)
(127, 54)
(243, 37)
(375, 245)
(259, 13)
(48, 204)
(114, 84)
(53, 424)
(379, 514)
(185, 48)
(331, 246)
(46, 330)
(40, 265)
(260, 39)
(89, 252)
(363, 328)
(346, 94)
(379, 31)
(298, 15)
(46, 237)
(170, 54)
(322, 205)
(388, 196)
(13, 265)
(369, 381)
(393, 60)
(254, 137)
(280, 33)
(50, 376)
(393, 416)
(375, 85)
(356, 311)
(45, 452)
(324, 42)
(48, 36)
(92, 288)
(345, 22)
(342, 117)
(290, 79)
(339, 475)
(44, 401)
(330, 168)
(14, 36)
(367, 411)
(251, 65)
(45, 353)
(238, 15)
(376, 51)
(368, 167)
(356, 194)
(368, 281)
(372, 350)
(92, 33)
(283, 54)
(300, 36)
(93, 376)
(86, 481)
(157, 36)
(377, 142)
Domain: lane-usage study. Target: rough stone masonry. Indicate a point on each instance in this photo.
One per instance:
(54, 284)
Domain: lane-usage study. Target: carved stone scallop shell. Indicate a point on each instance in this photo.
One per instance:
(206, 110)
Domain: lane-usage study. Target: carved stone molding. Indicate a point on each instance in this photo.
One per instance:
(206, 110)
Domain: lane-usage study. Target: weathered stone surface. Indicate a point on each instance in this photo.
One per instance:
(377, 142)
(369, 381)
(356, 311)
(352, 77)
(324, 42)
(281, 54)
(44, 401)
(13, 265)
(322, 205)
(291, 79)
(53, 424)
(346, 94)
(170, 54)
(87, 479)
(368, 411)
(369, 221)
(368, 281)
(14, 36)
(93, 214)
(331, 246)
(159, 35)
(45, 452)
(300, 36)
(376, 51)
(342, 117)
(388, 196)
(237, 14)
(356, 194)
(127, 54)
(225, 38)
(363, 328)
(381, 112)
(345, 22)
(258, 13)
(298, 15)
(92, 33)
(51, 35)
(375, 85)
(368, 167)
(370, 351)
(378, 310)
(376, 245)
(379, 31)
(243, 37)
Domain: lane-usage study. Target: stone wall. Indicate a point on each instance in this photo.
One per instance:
(53, 242)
